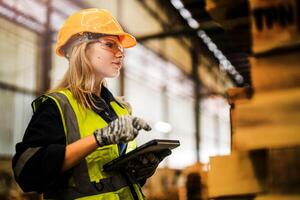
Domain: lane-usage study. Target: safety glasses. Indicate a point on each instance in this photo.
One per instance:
(105, 43)
(110, 45)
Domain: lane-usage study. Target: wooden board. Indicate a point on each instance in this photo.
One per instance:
(275, 72)
(283, 170)
(268, 120)
(237, 174)
(278, 197)
(271, 32)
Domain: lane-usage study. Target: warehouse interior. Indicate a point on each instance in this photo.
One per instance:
(220, 76)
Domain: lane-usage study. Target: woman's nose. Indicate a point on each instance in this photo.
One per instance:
(119, 54)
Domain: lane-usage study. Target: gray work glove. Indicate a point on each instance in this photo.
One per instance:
(123, 129)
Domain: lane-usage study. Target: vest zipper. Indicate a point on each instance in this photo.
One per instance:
(106, 106)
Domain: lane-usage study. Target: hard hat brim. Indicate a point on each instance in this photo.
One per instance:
(127, 40)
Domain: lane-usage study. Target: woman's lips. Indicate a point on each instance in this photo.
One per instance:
(118, 64)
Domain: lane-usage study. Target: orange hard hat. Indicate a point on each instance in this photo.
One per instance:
(91, 20)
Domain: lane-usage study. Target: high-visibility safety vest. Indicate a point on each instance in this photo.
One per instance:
(88, 181)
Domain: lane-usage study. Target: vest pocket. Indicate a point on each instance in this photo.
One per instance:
(98, 158)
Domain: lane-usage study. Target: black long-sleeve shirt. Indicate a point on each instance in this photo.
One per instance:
(42, 172)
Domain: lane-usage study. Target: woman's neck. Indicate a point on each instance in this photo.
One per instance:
(97, 88)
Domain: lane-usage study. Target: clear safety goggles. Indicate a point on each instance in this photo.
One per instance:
(110, 45)
(105, 43)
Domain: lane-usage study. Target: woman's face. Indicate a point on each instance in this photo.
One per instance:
(106, 57)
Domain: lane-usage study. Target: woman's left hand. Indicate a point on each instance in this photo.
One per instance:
(144, 166)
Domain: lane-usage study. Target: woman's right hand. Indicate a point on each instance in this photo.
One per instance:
(123, 129)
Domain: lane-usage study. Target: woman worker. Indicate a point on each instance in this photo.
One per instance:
(78, 126)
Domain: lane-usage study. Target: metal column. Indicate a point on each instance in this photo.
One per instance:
(195, 76)
(46, 52)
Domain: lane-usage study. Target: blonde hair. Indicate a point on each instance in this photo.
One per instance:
(79, 78)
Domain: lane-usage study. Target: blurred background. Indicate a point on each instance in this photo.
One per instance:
(221, 76)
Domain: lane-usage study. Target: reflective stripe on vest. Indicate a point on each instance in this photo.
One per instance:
(89, 180)
(25, 156)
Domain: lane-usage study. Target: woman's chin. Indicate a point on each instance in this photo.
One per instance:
(114, 75)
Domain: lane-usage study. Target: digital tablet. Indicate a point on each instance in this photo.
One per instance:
(151, 146)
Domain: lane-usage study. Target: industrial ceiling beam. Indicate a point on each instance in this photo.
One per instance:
(14, 88)
(18, 17)
(156, 16)
(166, 34)
(179, 33)
(54, 9)
(80, 4)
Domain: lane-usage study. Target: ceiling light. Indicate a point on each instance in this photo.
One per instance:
(185, 13)
(163, 127)
(177, 4)
(224, 62)
(193, 23)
